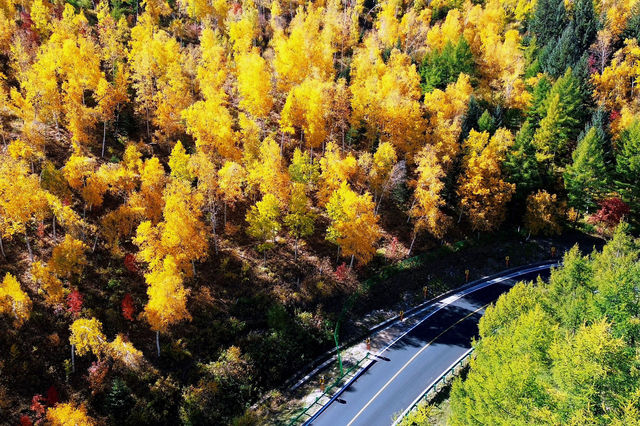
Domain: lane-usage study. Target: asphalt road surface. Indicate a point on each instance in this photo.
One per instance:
(401, 372)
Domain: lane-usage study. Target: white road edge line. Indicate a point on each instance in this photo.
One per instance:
(440, 305)
(415, 401)
(428, 345)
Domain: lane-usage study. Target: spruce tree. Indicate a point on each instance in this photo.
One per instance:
(564, 111)
(486, 123)
(628, 165)
(441, 67)
(522, 167)
(537, 110)
(557, 56)
(585, 24)
(548, 21)
(586, 178)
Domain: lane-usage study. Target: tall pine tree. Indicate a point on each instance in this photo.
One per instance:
(586, 179)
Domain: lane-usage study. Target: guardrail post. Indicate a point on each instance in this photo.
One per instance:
(368, 343)
(401, 315)
(466, 275)
(506, 260)
(425, 291)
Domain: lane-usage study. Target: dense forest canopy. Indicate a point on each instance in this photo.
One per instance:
(156, 154)
(562, 352)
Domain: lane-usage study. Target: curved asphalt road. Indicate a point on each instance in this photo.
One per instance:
(399, 374)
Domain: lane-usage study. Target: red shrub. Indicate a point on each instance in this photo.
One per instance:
(74, 302)
(128, 308)
(130, 263)
(611, 212)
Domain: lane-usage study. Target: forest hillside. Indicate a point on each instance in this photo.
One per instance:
(190, 189)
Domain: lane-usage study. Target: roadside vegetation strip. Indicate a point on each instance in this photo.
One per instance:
(306, 411)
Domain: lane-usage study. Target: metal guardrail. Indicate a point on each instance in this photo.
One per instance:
(439, 384)
(326, 392)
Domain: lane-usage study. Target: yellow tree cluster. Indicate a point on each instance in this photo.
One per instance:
(208, 120)
(544, 213)
(69, 414)
(428, 201)
(87, 336)
(169, 248)
(22, 200)
(386, 96)
(308, 107)
(308, 34)
(163, 89)
(14, 301)
(354, 224)
(66, 68)
(482, 190)
(617, 85)
(446, 110)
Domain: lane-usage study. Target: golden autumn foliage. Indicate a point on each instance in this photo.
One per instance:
(123, 352)
(49, 282)
(167, 303)
(386, 96)
(306, 51)
(254, 84)
(68, 258)
(544, 214)
(21, 198)
(446, 111)
(69, 414)
(335, 169)
(86, 336)
(354, 224)
(428, 201)
(14, 301)
(308, 107)
(482, 190)
(268, 174)
(181, 234)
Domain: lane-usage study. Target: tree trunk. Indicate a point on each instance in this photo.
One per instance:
(413, 240)
(26, 238)
(73, 359)
(104, 137)
(148, 134)
(54, 227)
(351, 263)
(95, 242)
(225, 215)
(2, 248)
(338, 255)
(193, 265)
(158, 342)
(213, 226)
(295, 252)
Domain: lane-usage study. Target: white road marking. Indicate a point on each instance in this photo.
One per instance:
(410, 361)
(440, 305)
